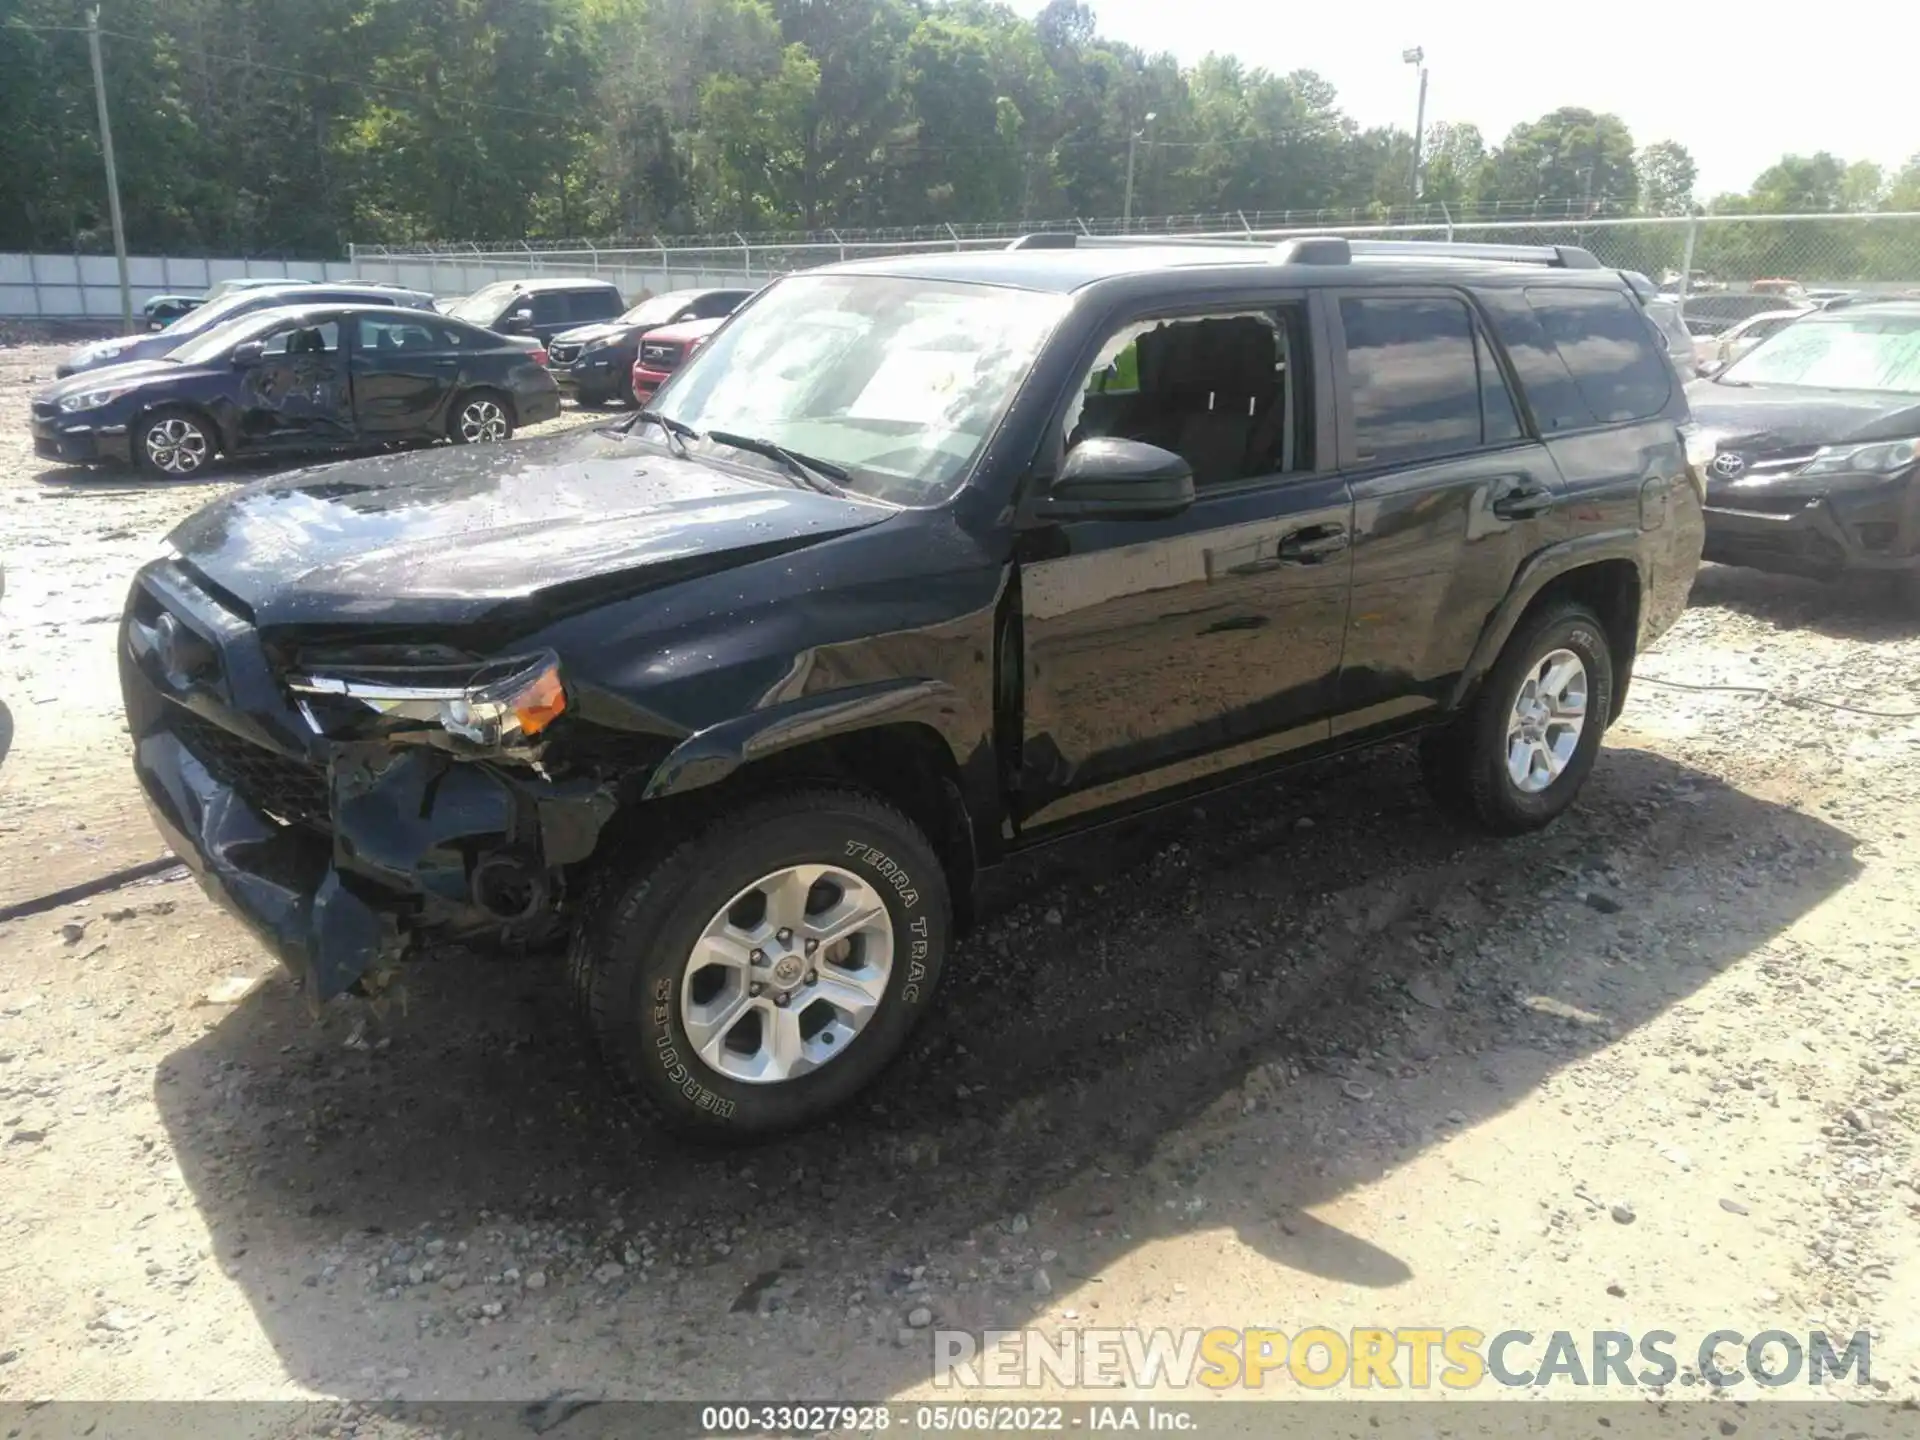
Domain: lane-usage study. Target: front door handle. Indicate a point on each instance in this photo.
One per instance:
(1312, 545)
(1523, 502)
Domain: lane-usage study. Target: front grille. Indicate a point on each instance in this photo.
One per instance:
(289, 789)
(660, 357)
(563, 354)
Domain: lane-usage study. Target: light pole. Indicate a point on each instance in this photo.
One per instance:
(1133, 140)
(113, 175)
(1418, 56)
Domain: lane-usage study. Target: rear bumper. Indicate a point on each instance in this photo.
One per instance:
(1829, 536)
(81, 443)
(336, 855)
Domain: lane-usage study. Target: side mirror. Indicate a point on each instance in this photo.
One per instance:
(1707, 369)
(1107, 479)
(249, 353)
(518, 323)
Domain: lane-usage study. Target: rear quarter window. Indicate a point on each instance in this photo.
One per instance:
(1609, 349)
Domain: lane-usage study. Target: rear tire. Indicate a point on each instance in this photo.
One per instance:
(728, 935)
(480, 417)
(1517, 758)
(174, 442)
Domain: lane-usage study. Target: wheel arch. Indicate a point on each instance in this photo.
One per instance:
(896, 742)
(1603, 572)
(223, 437)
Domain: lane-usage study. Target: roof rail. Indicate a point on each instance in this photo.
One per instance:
(1325, 249)
(1565, 257)
(1068, 240)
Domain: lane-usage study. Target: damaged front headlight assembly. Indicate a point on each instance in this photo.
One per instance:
(498, 707)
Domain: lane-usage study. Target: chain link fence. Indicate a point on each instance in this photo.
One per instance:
(1876, 253)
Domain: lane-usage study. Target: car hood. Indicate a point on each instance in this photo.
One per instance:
(129, 372)
(494, 534)
(604, 330)
(1761, 418)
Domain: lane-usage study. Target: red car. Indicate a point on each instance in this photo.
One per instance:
(663, 351)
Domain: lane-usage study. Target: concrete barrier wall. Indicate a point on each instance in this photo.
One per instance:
(88, 286)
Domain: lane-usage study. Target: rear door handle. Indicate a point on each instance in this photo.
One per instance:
(1523, 502)
(1314, 544)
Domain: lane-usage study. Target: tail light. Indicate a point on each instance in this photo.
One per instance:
(538, 355)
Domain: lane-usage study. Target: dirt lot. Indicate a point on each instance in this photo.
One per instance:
(1303, 1056)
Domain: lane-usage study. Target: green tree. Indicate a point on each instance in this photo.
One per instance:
(1571, 158)
(1667, 174)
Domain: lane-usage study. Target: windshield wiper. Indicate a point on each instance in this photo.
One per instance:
(821, 475)
(678, 432)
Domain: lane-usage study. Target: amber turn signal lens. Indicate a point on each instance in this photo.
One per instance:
(541, 703)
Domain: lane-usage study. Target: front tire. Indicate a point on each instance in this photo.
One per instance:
(480, 417)
(1516, 760)
(174, 443)
(765, 970)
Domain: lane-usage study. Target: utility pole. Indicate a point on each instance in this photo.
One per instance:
(113, 175)
(1133, 139)
(1418, 56)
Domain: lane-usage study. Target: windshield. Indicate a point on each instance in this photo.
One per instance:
(215, 343)
(1854, 351)
(483, 307)
(660, 309)
(218, 312)
(898, 382)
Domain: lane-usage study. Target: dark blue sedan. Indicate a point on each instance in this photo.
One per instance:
(299, 378)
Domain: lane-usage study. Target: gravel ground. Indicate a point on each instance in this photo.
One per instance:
(1305, 1055)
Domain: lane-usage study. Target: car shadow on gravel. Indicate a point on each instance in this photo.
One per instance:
(1177, 1025)
(1859, 608)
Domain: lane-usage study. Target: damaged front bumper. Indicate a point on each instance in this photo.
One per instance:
(1819, 529)
(338, 854)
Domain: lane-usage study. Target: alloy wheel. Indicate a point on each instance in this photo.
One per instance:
(787, 974)
(1548, 717)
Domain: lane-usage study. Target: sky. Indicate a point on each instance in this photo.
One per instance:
(1739, 88)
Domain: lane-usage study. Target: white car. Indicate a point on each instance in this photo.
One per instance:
(1716, 352)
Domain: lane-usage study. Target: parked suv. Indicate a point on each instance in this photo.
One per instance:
(540, 308)
(594, 363)
(245, 300)
(915, 565)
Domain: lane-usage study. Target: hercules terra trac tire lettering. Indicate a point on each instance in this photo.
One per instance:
(635, 952)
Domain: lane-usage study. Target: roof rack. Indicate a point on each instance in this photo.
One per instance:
(1326, 249)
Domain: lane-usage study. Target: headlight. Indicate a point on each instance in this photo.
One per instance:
(593, 345)
(495, 706)
(93, 399)
(1882, 457)
(105, 348)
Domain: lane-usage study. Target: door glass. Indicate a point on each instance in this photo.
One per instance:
(1499, 420)
(399, 335)
(311, 340)
(550, 308)
(1413, 375)
(585, 305)
(1217, 390)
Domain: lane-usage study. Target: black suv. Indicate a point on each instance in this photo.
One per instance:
(540, 308)
(594, 363)
(915, 565)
